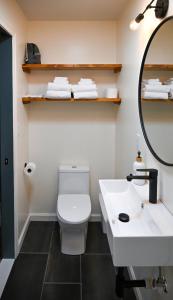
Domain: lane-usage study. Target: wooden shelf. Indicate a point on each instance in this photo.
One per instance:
(114, 67)
(158, 100)
(158, 67)
(27, 100)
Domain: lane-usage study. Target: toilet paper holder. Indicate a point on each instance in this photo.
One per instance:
(29, 170)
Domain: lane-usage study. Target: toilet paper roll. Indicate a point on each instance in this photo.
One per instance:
(111, 93)
(29, 169)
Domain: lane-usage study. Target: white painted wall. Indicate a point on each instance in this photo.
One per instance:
(13, 20)
(71, 132)
(131, 49)
(74, 41)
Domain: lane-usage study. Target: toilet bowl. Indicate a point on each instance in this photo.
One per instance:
(73, 208)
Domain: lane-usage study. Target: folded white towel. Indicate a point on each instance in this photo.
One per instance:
(85, 81)
(152, 95)
(144, 82)
(61, 80)
(86, 95)
(151, 80)
(84, 88)
(58, 95)
(33, 96)
(59, 87)
(157, 88)
(168, 82)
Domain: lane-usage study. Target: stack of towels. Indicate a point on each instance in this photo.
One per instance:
(59, 89)
(85, 89)
(169, 83)
(154, 89)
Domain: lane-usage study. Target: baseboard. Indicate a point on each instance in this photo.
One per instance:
(95, 218)
(133, 277)
(23, 233)
(53, 217)
(46, 217)
(43, 217)
(5, 269)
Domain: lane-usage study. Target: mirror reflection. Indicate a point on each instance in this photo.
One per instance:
(157, 93)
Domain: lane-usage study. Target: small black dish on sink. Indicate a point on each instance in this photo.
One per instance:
(124, 217)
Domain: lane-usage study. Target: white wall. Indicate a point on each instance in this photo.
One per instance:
(74, 41)
(13, 20)
(71, 132)
(131, 49)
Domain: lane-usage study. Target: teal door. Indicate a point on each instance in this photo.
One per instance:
(6, 148)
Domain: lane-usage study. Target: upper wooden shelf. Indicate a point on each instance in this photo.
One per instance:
(114, 67)
(27, 100)
(157, 67)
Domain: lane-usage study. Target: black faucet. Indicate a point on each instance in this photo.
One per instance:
(152, 177)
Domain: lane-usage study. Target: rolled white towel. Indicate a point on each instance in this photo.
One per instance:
(84, 81)
(84, 88)
(86, 95)
(59, 86)
(157, 88)
(58, 95)
(152, 95)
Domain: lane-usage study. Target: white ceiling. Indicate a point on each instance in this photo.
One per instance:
(72, 9)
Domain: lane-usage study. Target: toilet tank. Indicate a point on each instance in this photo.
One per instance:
(73, 179)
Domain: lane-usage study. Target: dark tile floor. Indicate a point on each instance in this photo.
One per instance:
(42, 272)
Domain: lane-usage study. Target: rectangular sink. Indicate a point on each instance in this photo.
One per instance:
(147, 239)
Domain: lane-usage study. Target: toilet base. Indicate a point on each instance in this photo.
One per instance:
(73, 238)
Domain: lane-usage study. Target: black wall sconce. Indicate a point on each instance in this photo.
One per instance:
(161, 9)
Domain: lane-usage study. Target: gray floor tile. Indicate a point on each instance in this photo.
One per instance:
(98, 277)
(61, 292)
(64, 275)
(26, 279)
(96, 240)
(38, 237)
(63, 268)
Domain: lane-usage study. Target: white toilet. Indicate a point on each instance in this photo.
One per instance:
(73, 208)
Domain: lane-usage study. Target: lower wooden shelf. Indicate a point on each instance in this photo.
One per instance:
(27, 100)
(158, 100)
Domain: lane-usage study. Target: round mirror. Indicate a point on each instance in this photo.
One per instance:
(156, 93)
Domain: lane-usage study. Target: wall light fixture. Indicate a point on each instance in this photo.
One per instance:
(161, 9)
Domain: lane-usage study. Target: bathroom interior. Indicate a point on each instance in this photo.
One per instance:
(86, 110)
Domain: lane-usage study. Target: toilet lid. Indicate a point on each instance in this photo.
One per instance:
(74, 208)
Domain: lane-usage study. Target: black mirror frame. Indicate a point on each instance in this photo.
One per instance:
(139, 94)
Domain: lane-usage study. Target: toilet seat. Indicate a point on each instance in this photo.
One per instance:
(74, 208)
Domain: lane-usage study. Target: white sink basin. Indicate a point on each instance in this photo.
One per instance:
(147, 239)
